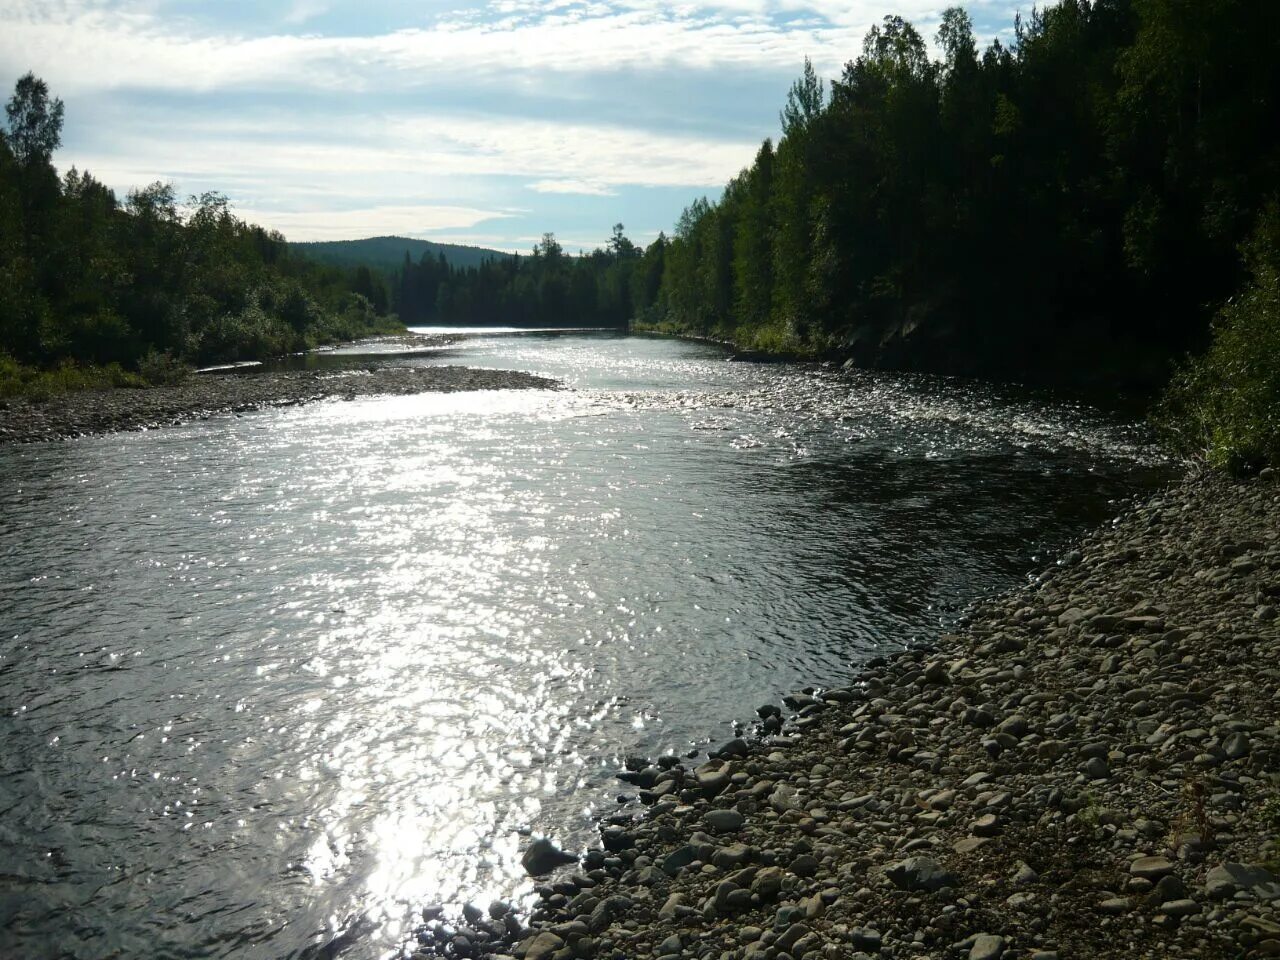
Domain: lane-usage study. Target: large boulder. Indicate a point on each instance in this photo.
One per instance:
(1228, 879)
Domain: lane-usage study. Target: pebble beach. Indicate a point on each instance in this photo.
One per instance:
(206, 395)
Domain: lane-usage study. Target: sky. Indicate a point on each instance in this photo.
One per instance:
(484, 123)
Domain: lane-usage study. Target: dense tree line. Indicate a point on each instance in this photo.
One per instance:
(548, 288)
(87, 279)
(1072, 205)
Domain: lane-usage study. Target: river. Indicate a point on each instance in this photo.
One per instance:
(273, 678)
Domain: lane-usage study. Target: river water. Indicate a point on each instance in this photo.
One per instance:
(270, 679)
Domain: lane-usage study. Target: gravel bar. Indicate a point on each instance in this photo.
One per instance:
(1087, 768)
(206, 395)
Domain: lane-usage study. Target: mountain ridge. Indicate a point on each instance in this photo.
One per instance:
(387, 252)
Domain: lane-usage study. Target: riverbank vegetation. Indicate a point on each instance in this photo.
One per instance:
(1225, 404)
(97, 292)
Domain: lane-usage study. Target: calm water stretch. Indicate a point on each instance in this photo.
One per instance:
(269, 679)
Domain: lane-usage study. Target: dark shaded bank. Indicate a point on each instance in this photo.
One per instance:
(1088, 768)
(206, 395)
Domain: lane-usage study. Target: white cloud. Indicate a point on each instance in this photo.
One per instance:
(83, 44)
(582, 187)
(320, 224)
(410, 156)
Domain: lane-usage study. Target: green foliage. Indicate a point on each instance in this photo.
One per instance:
(1224, 406)
(92, 287)
(35, 121)
(18, 380)
(1065, 209)
(162, 369)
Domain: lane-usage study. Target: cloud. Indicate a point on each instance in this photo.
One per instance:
(321, 224)
(584, 187)
(410, 155)
(94, 45)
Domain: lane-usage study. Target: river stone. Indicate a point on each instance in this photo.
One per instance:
(1025, 875)
(678, 859)
(1095, 768)
(724, 821)
(986, 946)
(615, 838)
(543, 856)
(987, 825)
(805, 865)
(1236, 746)
(1150, 868)
(732, 856)
(541, 946)
(918, 873)
(866, 938)
(783, 799)
(788, 937)
(767, 883)
(713, 776)
(1229, 878)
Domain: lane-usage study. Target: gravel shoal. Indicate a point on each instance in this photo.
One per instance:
(1088, 767)
(209, 394)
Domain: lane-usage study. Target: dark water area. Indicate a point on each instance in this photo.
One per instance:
(271, 678)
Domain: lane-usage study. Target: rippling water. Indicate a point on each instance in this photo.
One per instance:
(264, 676)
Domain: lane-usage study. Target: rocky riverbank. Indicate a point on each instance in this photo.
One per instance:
(1089, 768)
(205, 395)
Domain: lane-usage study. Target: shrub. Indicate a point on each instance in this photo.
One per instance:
(17, 380)
(1224, 406)
(160, 369)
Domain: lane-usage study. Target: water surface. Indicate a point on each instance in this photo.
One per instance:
(265, 675)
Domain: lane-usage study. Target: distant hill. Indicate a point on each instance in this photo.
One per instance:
(387, 253)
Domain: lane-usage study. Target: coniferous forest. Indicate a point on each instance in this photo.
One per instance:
(1072, 206)
(1086, 204)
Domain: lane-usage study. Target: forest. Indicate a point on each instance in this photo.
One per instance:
(604, 288)
(98, 290)
(1071, 206)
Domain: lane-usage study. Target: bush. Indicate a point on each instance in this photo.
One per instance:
(1224, 406)
(160, 369)
(250, 334)
(17, 380)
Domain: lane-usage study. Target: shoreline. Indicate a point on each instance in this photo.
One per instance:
(1088, 767)
(205, 395)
